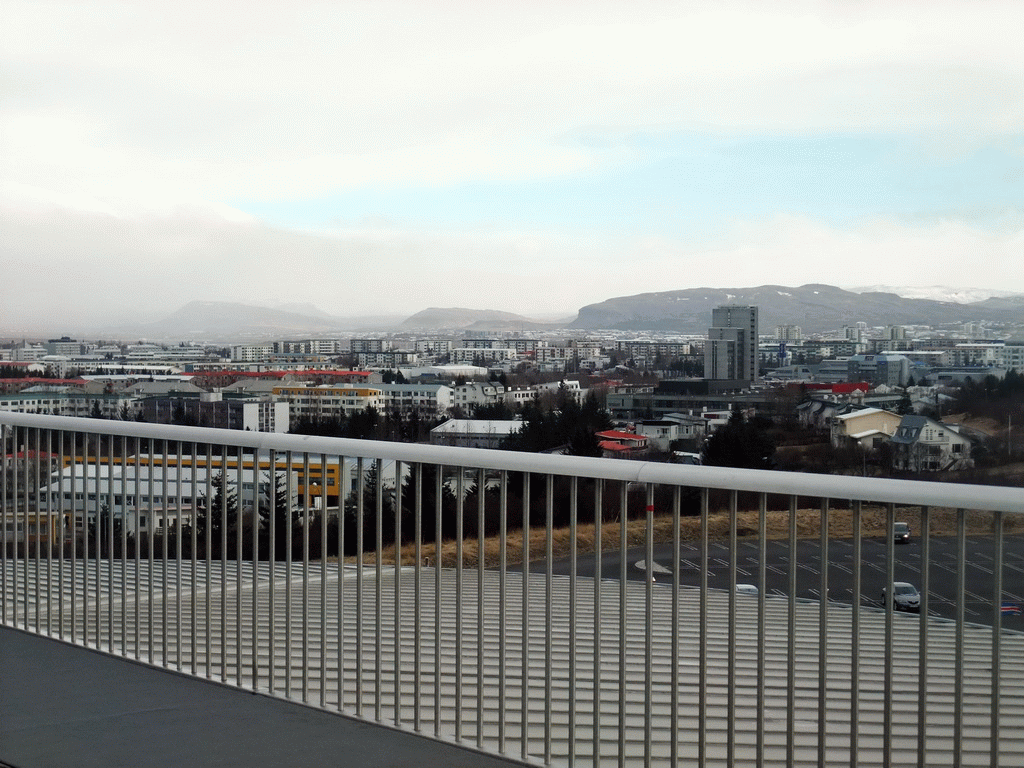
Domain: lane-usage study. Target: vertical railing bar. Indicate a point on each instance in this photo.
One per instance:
(178, 553)
(177, 549)
(460, 490)
(997, 632)
(648, 619)
(702, 651)
(525, 629)
(97, 548)
(889, 608)
(75, 437)
(677, 499)
(304, 512)
(26, 602)
(86, 444)
(762, 581)
(50, 533)
(225, 460)
(417, 662)
(958, 653)
(290, 491)
(150, 527)
(549, 522)
(32, 493)
(398, 592)
(124, 546)
(730, 732)
(110, 544)
(63, 512)
(823, 633)
(164, 565)
(20, 501)
(794, 503)
(31, 496)
(378, 657)
(481, 542)
(598, 559)
(923, 626)
(623, 604)
(256, 520)
(342, 495)
(438, 513)
(856, 512)
(272, 575)
(573, 515)
(208, 535)
(9, 462)
(136, 499)
(37, 580)
(240, 513)
(21, 561)
(194, 556)
(8, 472)
(323, 579)
(502, 645)
(360, 491)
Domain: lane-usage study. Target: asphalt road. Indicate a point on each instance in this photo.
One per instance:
(979, 572)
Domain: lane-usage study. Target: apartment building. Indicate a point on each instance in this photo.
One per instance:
(428, 400)
(731, 351)
(328, 402)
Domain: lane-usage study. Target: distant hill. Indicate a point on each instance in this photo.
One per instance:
(815, 308)
(456, 318)
(223, 321)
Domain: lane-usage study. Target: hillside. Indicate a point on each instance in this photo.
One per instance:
(815, 308)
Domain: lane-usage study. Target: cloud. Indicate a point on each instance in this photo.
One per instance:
(525, 156)
(199, 101)
(90, 266)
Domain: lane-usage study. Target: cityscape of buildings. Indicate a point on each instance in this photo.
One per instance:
(664, 391)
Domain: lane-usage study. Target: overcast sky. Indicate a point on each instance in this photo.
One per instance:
(532, 157)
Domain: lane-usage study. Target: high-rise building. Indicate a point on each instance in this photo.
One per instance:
(788, 333)
(731, 349)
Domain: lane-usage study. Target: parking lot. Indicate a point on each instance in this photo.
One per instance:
(979, 560)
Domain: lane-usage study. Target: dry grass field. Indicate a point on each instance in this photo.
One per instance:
(873, 519)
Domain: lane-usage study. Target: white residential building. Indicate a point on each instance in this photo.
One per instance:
(251, 353)
(329, 402)
(473, 393)
(924, 445)
(485, 355)
(474, 433)
(1011, 356)
(430, 400)
(867, 427)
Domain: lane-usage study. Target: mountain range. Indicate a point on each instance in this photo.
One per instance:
(816, 308)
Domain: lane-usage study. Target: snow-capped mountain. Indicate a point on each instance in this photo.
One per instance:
(936, 292)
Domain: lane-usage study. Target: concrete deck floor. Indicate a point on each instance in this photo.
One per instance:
(62, 705)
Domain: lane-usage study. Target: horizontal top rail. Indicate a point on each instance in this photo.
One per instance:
(845, 487)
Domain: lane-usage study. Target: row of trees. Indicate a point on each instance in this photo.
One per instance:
(368, 424)
(995, 398)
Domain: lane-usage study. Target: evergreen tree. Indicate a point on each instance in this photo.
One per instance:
(740, 442)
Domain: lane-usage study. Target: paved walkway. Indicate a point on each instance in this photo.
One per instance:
(62, 706)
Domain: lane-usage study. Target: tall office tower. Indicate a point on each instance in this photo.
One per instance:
(731, 349)
(788, 333)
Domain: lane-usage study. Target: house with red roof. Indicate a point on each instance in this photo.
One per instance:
(621, 445)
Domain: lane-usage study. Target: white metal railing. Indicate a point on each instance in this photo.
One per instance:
(643, 655)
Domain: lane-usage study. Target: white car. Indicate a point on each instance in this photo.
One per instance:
(905, 597)
(746, 589)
